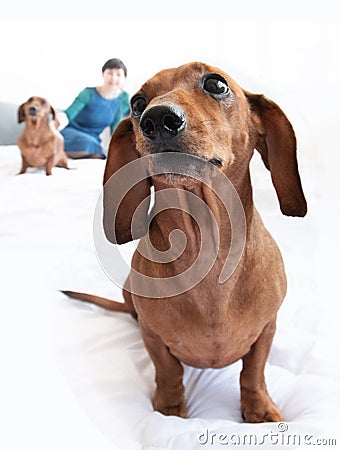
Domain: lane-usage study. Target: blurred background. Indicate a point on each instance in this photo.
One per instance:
(288, 50)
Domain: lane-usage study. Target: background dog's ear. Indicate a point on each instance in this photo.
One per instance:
(21, 113)
(118, 212)
(277, 145)
(54, 117)
(52, 111)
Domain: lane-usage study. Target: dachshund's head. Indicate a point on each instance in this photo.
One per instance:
(35, 110)
(195, 109)
(199, 110)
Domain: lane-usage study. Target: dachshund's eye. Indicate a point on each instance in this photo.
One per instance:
(138, 104)
(216, 85)
(43, 102)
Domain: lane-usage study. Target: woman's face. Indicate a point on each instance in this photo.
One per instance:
(114, 78)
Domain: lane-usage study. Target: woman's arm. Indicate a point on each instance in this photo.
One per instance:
(79, 103)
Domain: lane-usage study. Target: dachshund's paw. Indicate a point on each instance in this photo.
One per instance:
(258, 407)
(173, 410)
(170, 407)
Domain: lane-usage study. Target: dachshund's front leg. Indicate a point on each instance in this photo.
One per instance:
(49, 165)
(169, 395)
(24, 166)
(256, 404)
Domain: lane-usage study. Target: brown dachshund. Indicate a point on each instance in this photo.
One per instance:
(199, 112)
(40, 143)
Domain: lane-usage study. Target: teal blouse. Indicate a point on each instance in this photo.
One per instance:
(86, 96)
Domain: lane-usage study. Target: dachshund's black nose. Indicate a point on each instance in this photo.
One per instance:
(32, 110)
(162, 122)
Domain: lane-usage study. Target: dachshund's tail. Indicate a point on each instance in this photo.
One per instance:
(101, 301)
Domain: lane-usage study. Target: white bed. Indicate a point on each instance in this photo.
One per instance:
(76, 376)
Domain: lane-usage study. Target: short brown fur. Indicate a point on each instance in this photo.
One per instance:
(212, 324)
(40, 143)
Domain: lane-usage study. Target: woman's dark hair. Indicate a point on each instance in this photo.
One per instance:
(114, 63)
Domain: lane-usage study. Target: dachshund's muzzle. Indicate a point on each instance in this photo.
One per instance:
(162, 122)
(32, 111)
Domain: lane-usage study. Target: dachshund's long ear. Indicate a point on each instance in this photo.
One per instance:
(120, 207)
(21, 113)
(276, 143)
(52, 111)
(54, 117)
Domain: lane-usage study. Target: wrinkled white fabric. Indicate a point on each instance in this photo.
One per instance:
(81, 375)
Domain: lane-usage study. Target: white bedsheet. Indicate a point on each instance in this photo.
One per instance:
(75, 376)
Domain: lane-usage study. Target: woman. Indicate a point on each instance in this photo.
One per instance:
(94, 109)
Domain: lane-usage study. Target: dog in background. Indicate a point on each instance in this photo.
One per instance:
(40, 143)
(201, 111)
